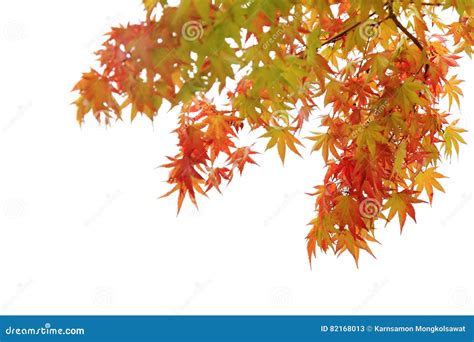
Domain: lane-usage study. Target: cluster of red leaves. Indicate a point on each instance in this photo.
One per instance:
(204, 135)
(136, 63)
(381, 148)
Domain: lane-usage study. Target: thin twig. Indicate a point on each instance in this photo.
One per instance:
(343, 33)
(394, 18)
(404, 30)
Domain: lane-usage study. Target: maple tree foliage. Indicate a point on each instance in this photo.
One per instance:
(381, 68)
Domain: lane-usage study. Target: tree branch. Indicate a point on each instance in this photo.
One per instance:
(343, 33)
(394, 18)
(391, 16)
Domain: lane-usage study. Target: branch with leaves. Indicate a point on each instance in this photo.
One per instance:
(384, 128)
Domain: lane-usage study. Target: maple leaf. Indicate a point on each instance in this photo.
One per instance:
(322, 230)
(185, 167)
(409, 94)
(347, 211)
(186, 178)
(426, 180)
(283, 138)
(325, 142)
(96, 95)
(400, 155)
(369, 136)
(220, 131)
(353, 243)
(452, 138)
(240, 157)
(453, 91)
(302, 117)
(215, 177)
(401, 203)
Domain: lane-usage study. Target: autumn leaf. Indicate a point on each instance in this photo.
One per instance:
(369, 137)
(400, 155)
(346, 209)
(240, 157)
(282, 137)
(186, 179)
(216, 176)
(325, 142)
(409, 94)
(401, 203)
(96, 96)
(452, 138)
(427, 180)
(453, 91)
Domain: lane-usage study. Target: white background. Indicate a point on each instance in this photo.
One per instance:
(82, 230)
